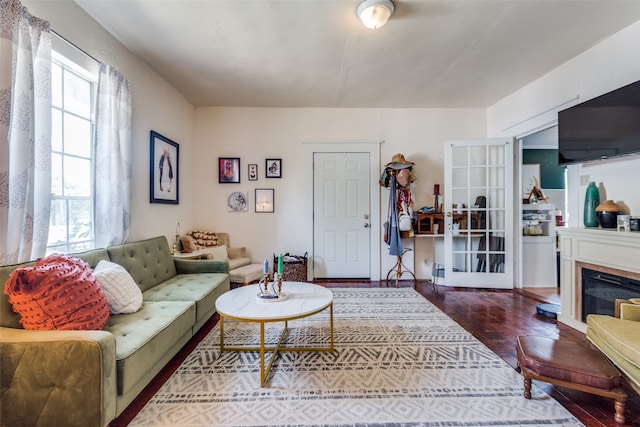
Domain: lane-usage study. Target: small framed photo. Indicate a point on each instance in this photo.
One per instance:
(237, 201)
(264, 200)
(229, 170)
(163, 176)
(253, 172)
(273, 168)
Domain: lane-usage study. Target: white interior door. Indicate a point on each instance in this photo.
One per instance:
(341, 221)
(478, 202)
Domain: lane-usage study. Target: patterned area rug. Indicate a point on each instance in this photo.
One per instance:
(398, 361)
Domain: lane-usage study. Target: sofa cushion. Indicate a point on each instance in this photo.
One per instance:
(629, 311)
(622, 336)
(237, 263)
(199, 288)
(148, 261)
(146, 335)
(57, 292)
(123, 295)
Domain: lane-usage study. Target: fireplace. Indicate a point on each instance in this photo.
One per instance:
(608, 251)
(600, 289)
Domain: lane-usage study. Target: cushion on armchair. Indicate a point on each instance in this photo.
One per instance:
(216, 246)
(237, 252)
(631, 310)
(203, 239)
(219, 253)
(57, 292)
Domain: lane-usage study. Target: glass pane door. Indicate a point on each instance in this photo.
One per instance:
(478, 204)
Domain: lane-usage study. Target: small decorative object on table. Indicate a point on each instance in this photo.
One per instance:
(591, 201)
(607, 213)
(271, 291)
(624, 223)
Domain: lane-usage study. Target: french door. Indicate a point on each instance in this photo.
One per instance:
(478, 206)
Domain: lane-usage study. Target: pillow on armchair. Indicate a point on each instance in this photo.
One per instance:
(203, 239)
(219, 253)
(57, 292)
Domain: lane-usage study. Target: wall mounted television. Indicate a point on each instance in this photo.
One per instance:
(603, 127)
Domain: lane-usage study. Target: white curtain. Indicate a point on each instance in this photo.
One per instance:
(112, 158)
(25, 133)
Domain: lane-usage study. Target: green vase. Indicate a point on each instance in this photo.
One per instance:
(591, 201)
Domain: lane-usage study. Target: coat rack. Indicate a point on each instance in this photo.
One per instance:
(399, 268)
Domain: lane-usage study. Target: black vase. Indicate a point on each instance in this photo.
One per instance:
(607, 213)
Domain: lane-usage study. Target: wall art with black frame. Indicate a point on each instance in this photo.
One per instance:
(229, 170)
(164, 170)
(273, 168)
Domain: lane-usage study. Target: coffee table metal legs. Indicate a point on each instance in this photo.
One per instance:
(266, 370)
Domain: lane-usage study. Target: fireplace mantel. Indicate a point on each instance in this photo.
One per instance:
(606, 248)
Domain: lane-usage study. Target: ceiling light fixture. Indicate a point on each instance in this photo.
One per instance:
(375, 13)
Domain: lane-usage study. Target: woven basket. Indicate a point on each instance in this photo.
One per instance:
(293, 270)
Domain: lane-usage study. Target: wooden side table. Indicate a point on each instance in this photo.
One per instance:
(427, 222)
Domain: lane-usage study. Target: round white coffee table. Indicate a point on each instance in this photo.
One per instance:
(302, 300)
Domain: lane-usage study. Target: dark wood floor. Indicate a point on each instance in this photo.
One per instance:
(494, 317)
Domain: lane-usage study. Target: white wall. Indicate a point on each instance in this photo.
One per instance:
(613, 63)
(156, 106)
(254, 134)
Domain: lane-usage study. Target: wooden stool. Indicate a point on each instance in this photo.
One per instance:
(572, 365)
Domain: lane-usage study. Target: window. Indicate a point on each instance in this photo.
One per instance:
(71, 226)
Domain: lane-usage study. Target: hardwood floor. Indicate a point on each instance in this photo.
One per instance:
(495, 317)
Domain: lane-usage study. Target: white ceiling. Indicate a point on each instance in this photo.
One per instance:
(316, 53)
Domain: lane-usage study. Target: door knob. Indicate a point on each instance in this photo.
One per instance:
(367, 225)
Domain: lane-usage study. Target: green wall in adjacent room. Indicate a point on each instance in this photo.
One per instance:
(551, 174)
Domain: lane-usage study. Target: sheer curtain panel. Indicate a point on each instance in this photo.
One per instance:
(25, 133)
(112, 158)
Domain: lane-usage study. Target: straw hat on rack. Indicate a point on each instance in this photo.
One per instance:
(399, 162)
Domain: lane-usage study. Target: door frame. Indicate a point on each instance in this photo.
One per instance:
(371, 147)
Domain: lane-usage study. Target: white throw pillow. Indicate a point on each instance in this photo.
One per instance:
(122, 292)
(219, 252)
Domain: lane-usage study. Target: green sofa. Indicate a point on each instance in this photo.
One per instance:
(88, 378)
(618, 337)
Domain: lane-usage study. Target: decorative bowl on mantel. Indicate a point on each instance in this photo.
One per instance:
(607, 213)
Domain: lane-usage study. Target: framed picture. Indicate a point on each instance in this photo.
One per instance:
(264, 200)
(253, 172)
(273, 168)
(164, 172)
(229, 170)
(237, 201)
(530, 178)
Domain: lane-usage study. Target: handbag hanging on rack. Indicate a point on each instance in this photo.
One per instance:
(405, 221)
